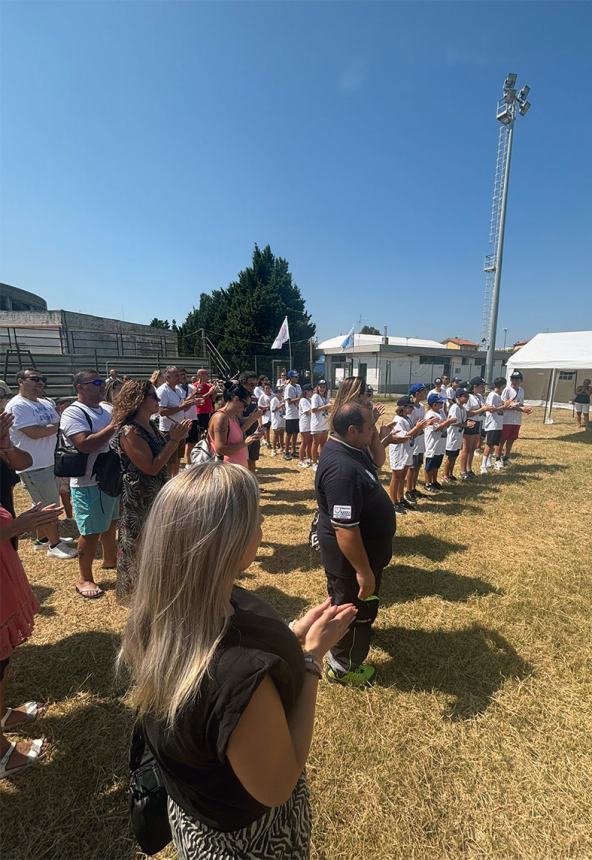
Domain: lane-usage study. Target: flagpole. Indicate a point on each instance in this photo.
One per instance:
(290, 351)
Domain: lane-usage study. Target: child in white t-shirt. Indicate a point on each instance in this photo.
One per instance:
(304, 422)
(319, 422)
(454, 434)
(435, 432)
(278, 421)
(493, 425)
(263, 404)
(401, 445)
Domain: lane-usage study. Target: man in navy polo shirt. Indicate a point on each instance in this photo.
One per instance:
(355, 532)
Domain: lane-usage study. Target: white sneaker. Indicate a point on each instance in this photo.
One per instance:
(274, 453)
(302, 464)
(483, 470)
(314, 467)
(499, 466)
(67, 540)
(62, 550)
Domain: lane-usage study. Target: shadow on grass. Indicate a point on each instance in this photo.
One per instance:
(403, 584)
(42, 592)
(426, 544)
(583, 436)
(282, 509)
(287, 605)
(468, 665)
(74, 802)
(297, 495)
(288, 558)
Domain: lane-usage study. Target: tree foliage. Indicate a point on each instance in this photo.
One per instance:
(244, 318)
(156, 323)
(369, 329)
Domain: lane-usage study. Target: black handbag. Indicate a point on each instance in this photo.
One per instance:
(68, 461)
(107, 471)
(147, 796)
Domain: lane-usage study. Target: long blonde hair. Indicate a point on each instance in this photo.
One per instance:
(352, 388)
(194, 539)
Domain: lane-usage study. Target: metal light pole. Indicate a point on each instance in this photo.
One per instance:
(510, 102)
(505, 336)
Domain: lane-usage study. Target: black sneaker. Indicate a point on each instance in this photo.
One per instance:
(410, 499)
(418, 495)
(436, 485)
(430, 488)
(471, 474)
(464, 476)
(452, 478)
(287, 456)
(409, 505)
(400, 508)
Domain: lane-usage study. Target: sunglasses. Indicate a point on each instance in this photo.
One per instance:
(42, 379)
(97, 382)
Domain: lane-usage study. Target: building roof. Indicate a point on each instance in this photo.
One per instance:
(459, 341)
(373, 342)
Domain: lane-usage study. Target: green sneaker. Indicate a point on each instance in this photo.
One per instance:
(360, 677)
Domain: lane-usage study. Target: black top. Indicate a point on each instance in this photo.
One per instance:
(349, 494)
(193, 759)
(582, 397)
(8, 480)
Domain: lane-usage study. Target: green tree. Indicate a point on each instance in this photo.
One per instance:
(156, 323)
(369, 329)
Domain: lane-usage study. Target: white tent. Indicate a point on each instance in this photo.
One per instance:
(554, 351)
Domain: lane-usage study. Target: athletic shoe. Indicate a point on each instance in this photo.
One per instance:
(315, 467)
(410, 497)
(287, 456)
(61, 550)
(452, 478)
(431, 488)
(483, 470)
(274, 453)
(499, 466)
(301, 464)
(40, 544)
(360, 677)
(446, 479)
(464, 476)
(67, 540)
(471, 474)
(399, 507)
(417, 494)
(409, 505)
(436, 485)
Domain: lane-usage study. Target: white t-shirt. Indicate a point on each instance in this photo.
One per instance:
(454, 434)
(435, 439)
(169, 397)
(401, 455)
(278, 421)
(304, 415)
(451, 392)
(258, 391)
(418, 414)
(319, 422)
(192, 411)
(263, 404)
(493, 420)
(73, 422)
(513, 416)
(291, 391)
(475, 401)
(33, 413)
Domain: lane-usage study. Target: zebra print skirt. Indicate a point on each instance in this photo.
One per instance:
(283, 833)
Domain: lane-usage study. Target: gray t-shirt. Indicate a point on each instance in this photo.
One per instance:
(73, 422)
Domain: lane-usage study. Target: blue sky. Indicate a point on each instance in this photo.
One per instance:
(147, 146)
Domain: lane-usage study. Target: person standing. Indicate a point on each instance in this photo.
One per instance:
(436, 427)
(278, 421)
(455, 384)
(355, 531)
(251, 415)
(492, 424)
(304, 413)
(87, 425)
(475, 407)
(400, 443)
(173, 406)
(417, 392)
(112, 386)
(512, 395)
(454, 435)
(225, 433)
(263, 405)
(34, 430)
(190, 414)
(292, 395)
(204, 397)
(319, 420)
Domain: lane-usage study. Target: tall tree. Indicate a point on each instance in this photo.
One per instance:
(369, 329)
(156, 323)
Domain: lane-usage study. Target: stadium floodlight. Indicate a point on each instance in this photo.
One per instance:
(510, 81)
(507, 107)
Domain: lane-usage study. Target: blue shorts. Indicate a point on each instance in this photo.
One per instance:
(94, 511)
(434, 462)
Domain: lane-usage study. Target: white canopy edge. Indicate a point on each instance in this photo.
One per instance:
(565, 350)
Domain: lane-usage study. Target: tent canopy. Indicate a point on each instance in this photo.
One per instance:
(562, 350)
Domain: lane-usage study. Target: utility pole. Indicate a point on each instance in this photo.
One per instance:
(510, 103)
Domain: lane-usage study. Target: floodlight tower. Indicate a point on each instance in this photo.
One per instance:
(510, 103)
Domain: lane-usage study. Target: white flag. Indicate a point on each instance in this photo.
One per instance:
(283, 335)
(348, 340)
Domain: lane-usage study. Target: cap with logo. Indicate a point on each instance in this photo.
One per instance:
(438, 381)
(417, 387)
(292, 374)
(461, 392)
(405, 401)
(516, 375)
(435, 398)
(477, 380)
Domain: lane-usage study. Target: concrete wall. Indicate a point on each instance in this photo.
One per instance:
(13, 298)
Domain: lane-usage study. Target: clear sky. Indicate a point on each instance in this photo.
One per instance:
(146, 146)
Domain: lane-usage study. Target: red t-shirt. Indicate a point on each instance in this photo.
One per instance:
(207, 406)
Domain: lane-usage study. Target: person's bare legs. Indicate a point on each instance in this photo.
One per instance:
(66, 500)
(109, 544)
(19, 756)
(393, 486)
(87, 548)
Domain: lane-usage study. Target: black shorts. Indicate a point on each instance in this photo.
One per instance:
(433, 462)
(493, 437)
(452, 455)
(203, 419)
(254, 451)
(473, 431)
(292, 426)
(3, 667)
(193, 435)
(417, 461)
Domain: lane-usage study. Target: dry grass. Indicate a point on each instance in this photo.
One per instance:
(474, 744)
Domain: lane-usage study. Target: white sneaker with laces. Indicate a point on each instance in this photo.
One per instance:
(483, 470)
(499, 466)
(62, 550)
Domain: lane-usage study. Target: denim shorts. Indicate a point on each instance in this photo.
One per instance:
(42, 485)
(94, 511)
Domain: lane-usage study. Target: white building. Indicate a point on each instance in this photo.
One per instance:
(392, 364)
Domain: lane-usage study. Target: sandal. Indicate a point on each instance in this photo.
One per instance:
(90, 591)
(32, 756)
(29, 710)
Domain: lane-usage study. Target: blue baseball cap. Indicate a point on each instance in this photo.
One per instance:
(417, 386)
(292, 374)
(435, 398)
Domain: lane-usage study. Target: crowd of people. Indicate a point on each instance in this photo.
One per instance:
(230, 720)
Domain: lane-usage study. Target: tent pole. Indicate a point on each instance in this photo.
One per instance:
(550, 396)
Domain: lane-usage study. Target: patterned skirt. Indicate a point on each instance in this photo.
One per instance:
(283, 833)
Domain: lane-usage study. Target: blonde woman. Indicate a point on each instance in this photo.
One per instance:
(355, 388)
(226, 692)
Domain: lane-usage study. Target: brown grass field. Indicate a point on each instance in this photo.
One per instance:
(476, 742)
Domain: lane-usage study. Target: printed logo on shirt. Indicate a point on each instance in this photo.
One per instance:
(342, 512)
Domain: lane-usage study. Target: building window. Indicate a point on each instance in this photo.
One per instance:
(566, 374)
(432, 359)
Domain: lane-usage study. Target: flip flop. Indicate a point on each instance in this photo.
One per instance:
(30, 713)
(90, 592)
(32, 756)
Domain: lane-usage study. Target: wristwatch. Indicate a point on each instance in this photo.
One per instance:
(312, 665)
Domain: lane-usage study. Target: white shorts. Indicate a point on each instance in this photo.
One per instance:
(400, 456)
(582, 408)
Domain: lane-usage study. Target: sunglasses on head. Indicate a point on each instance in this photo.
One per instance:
(42, 379)
(96, 382)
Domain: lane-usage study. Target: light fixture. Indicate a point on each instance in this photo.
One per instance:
(510, 80)
(509, 96)
(523, 93)
(524, 108)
